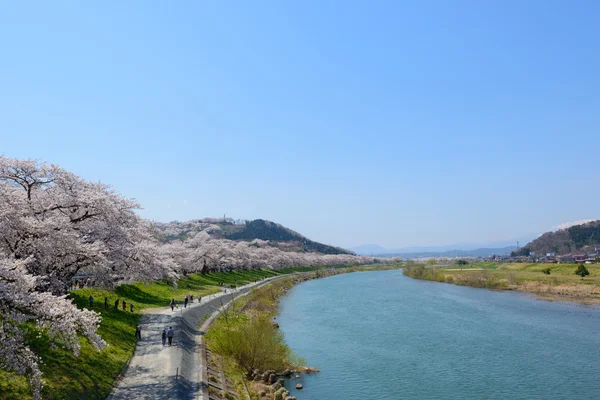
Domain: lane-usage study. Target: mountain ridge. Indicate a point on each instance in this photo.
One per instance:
(275, 234)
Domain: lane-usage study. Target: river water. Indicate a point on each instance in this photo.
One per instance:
(381, 335)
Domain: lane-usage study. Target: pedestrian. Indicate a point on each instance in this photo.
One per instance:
(170, 335)
(191, 298)
(91, 299)
(117, 301)
(185, 302)
(138, 332)
(199, 299)
(131, 307)
(172, 304)
(164, 336)
(124, 306)
(106, 303)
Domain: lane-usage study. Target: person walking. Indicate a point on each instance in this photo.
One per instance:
(185, 302)
(106, 303)
(164, 336)
(131, 307)
(91, 299)
(170, 335)
(172, 304)
(124, 306)
(138, 332)
(117, 301)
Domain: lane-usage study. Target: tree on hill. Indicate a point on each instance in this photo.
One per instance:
(582, 271)
(569, 240)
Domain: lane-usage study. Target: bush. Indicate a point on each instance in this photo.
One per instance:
(254, 343)
(582, 271)
(546, 271)
(415, 271)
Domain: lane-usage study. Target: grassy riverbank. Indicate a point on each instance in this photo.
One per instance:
(244, 343)
(92, 375)
(560, 284)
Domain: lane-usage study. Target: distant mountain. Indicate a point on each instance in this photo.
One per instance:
(368, 249)
(573, 239)
(374, 249)
(277, 235)
(483, 252)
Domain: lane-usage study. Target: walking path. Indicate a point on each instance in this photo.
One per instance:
(157, 372)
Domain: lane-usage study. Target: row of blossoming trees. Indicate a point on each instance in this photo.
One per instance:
(54, 224)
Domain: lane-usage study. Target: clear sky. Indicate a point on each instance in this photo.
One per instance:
(397, 123)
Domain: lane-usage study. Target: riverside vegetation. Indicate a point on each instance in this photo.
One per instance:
(92, 374)
(246, 341)
(547, 281)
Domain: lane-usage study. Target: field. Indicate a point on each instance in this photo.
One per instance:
(92, 374)
(560, 284)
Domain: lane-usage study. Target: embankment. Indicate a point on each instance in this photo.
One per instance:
(92, 374)
(546, 281)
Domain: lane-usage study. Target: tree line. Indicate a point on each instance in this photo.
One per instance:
(55, 224)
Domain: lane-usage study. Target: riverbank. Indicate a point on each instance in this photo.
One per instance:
(247, 353)
(554, 282)
(93, 374)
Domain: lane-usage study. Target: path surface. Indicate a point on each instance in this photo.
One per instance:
(152, 370)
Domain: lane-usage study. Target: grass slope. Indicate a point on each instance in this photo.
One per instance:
(92, 374)
(526, 277)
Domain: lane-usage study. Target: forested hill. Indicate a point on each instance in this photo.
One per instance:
(277, 235)
(576, 239)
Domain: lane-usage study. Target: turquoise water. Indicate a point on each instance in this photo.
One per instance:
(381, 335)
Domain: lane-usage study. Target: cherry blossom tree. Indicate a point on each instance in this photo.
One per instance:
(202, 249)
(65, 224)
(22, 306)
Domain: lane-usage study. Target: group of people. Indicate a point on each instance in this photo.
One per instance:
(167, 335)
(188, 300)
(221, 283)
(117, 304)
(80, 283)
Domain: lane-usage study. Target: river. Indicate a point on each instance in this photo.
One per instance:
(382, 335)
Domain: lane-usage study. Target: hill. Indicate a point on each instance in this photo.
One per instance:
(226, 228)
(582, 238)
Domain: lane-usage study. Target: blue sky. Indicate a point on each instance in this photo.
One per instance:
(397, 123)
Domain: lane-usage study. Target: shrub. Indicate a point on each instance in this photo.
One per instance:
(415, 271)
(254, 343)
(546, 271)
(582, 271)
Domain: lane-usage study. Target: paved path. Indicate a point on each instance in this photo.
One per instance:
(152, 370)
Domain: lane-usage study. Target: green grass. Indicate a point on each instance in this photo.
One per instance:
(533, 272)
(519, 276)
(92, 374)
